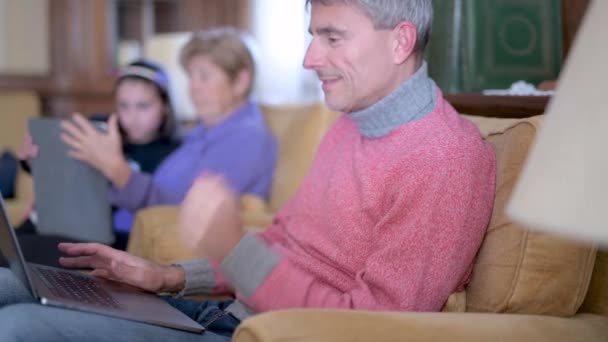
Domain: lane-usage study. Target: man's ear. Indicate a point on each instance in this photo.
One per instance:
(404, 41)
(242, 82)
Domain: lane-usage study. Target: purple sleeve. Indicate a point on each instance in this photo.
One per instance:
(141, 191)
(246, 159)
(247, 162)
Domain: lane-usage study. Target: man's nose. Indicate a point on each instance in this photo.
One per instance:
(313, 56)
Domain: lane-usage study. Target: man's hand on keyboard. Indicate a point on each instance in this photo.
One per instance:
(123, 267)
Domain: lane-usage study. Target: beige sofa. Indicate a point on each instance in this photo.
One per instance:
(525, 286)
(16, 107)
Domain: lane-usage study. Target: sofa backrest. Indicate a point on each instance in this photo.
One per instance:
(517, 270)
(16, 107)
(596, 301)
(299, 130)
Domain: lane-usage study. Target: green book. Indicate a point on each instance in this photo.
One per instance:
(489, 44)
(511, 40)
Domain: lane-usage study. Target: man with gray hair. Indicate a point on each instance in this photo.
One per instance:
(389, 216)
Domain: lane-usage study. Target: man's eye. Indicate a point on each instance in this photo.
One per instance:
(333, 40)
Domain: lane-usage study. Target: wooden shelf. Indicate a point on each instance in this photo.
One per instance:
(498, 106)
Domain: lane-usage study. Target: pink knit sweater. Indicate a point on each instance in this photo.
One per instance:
(389, 217)
(392, 223)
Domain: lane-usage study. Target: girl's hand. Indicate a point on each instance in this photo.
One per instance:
(100, 150)
(28, 149)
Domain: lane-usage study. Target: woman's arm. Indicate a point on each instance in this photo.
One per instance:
(239, 158)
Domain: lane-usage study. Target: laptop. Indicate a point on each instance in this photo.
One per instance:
(79, 291)
(71, 196)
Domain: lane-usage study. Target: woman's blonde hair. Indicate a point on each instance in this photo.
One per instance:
(226, 49)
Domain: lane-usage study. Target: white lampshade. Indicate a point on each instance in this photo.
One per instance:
(564, 185)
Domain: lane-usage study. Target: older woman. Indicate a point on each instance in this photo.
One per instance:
(231, 139)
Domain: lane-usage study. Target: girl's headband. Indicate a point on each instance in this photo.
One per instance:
(157, 77)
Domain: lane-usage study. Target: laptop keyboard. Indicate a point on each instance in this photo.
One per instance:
(77, 287)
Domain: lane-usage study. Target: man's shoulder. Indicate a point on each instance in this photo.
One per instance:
(440, 136)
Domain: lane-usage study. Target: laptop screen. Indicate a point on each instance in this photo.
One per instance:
(11, 250)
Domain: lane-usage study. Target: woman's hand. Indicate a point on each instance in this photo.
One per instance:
(123, 267)
(209, 219)
(101, 150)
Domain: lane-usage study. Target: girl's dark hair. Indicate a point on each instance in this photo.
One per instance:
(152, 73)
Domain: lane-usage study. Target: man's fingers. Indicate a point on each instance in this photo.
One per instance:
(80, 262)
(77, 249)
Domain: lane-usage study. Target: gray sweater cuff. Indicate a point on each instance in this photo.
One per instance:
(199, 277)
(248, 264)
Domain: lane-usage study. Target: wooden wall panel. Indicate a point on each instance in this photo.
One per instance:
(83, 44)
(82, 56)
(135, 19)
(194, 15)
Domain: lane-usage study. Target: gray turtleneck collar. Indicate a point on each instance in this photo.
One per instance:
(414, 99)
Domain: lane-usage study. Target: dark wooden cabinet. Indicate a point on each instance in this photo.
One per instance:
(139, 19)
(84, 37)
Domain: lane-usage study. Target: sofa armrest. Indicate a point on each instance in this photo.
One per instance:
(18, 207)
(154, 236)
(15, 209)
(338, 326)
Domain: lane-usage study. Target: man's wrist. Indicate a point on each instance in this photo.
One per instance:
(174, 279)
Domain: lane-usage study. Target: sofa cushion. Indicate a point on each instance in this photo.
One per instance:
(519, 271)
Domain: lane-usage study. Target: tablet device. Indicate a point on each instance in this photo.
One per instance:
(71, 196)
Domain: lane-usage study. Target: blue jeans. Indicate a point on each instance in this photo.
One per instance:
(22, 319)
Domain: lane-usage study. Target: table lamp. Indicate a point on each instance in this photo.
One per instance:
(563, 188)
